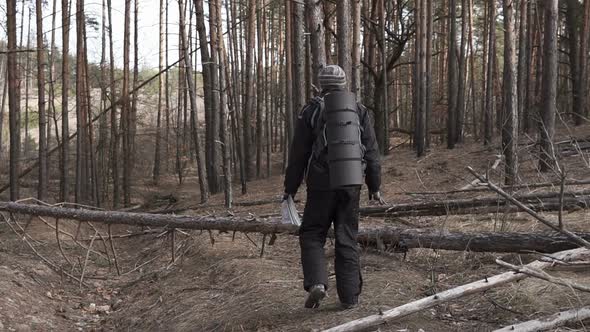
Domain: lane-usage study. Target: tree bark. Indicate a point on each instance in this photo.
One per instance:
(289, 108)
(343, 32)
(523, 68)
(489, 100)
(391, 237)
(249, 147)
(83, 145)
(462, 86)
(355, 80)
(161, 84)
(125, 109)
(550, 322)
(223, 100)
(113, 109)
(193, 104)
(41, 67)
(573, 9)
(65, 77)
(452, 117)
(315, 20)
(14, 83)
(538, 202)
(510, 123)
(581, 107)
(549, 94)
(298, 41)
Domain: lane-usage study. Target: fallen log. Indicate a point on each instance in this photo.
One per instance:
(471, 206)
(451, 294)
(391, 237)
(550, 322)
(507, 188)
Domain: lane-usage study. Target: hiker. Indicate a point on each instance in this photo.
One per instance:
(332, 198)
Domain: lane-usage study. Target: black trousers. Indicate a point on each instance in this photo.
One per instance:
(323, 208)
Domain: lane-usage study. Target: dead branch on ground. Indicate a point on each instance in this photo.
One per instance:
(550, 322)
(451, 294)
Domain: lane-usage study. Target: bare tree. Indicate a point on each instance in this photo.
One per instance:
(355, 86)
(13, 99)
(114, 127)
(491, 53)
(193, 104)
(161, 83)
(453, 79)
(249, 152)
(344, 47)
(549, 94)
(41, 66)
(225, 140)
(510, 124)
(581, 107)
(125, 109)
(315, 21)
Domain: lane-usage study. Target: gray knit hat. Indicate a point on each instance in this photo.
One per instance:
(332, 77)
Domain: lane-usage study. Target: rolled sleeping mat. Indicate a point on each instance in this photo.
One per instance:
(343, 139)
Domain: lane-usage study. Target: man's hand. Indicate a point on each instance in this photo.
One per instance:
(376, 197)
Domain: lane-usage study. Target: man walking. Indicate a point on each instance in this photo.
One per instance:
(334, 177)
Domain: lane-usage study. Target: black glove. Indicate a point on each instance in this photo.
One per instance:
(286, 196)
(376, 196)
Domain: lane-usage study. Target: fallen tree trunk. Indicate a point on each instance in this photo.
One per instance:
(451, 294)
(395, 238)
(507, 188)
(550, 322)
(538, 202)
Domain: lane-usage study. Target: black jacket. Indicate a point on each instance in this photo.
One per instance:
(317, 177)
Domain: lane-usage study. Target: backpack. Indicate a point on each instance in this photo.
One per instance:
(318, 122)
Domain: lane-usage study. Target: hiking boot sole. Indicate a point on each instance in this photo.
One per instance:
(316, 295)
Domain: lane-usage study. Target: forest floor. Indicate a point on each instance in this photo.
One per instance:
(221, 283)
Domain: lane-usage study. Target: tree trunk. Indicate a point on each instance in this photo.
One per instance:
(452, 117)
(581, 107)
(65, 77)
(13, 99)
(489, 103)
(510, 123)
(225, 139)
(27, 77)
(402, 239)
(462, 86)
(2, 107)
(83, 145)
(573, 9)
(298, 65)
(249, 148)
(41, 67)
(355, 80)
(161, 83)
(523, 69)
(125, 109)
(102, 145)
(289, 110)
(259, 91)
(549, 94)
(343, 32)
(315, 20)
(428, 97)
(193, 104)
(420, 78)
(114, 131)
